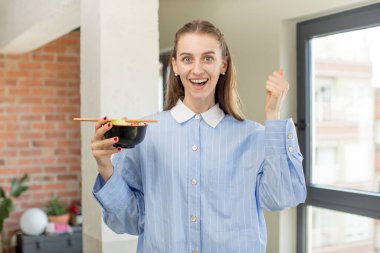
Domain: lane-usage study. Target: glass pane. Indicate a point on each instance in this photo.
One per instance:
(346, 109)
(337, 232)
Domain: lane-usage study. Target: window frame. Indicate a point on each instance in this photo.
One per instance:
(345, 200)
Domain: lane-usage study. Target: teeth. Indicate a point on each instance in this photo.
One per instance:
(198, 80)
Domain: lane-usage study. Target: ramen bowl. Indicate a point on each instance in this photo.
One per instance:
(129, 133)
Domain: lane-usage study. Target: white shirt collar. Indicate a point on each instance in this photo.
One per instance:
(182, 113)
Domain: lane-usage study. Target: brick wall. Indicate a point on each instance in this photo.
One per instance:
(39, 95)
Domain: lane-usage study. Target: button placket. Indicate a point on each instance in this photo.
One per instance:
(194, 172)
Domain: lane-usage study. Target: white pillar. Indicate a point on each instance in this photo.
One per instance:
(119, 77)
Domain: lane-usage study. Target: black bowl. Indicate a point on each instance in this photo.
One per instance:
(129, 136)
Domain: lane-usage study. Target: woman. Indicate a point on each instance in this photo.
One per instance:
(203, 174)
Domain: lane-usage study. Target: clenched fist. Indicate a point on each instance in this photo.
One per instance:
(276, 88)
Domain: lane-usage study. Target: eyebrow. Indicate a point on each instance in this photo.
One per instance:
(208, 52)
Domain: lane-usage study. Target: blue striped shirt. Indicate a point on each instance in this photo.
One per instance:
(198, 183)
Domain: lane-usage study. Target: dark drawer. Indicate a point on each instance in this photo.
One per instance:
(63, 243)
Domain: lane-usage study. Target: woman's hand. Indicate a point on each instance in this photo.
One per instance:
(103, 148)
(276, 88)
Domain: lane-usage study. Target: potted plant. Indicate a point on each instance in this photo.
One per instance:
(56, 212)
(17, 188)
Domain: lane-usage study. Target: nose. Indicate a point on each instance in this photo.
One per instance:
(197, 68)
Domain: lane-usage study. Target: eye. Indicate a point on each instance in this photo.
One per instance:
(186, 59)
(208, 58)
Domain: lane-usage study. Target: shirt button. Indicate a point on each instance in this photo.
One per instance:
(290, 135)
(290, 149)
(193, 218)
(197, 116)
(193, 181)
(195, 147)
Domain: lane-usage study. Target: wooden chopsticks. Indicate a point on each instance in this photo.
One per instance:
(126, 120)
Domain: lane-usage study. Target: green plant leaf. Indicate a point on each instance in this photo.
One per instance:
(5, 209)
(54, 207)
(17, 188)
(2, 193)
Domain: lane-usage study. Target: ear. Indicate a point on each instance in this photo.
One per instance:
(224, 66)
(174, 65)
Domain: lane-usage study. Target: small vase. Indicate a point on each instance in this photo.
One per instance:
(63, 218)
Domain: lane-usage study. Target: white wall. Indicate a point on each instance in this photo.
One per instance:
(262, 38)
(26, 25)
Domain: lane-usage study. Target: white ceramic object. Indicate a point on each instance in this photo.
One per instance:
(33, 221)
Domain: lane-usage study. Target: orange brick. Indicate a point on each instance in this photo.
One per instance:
(8, 135)
(60, 151)
(31, 135)
(30, 170)
(26, 205)
(31, 117)
(55, 83)
(66, 177)
(42, 74)
(8, 82)
(43, 57)
(42, 109)
(41, 144)
(55, 117)
(30, 152)
(18, 144)
(54, 186)
(19, 92)
(42, 91)
(30, 82)
(4, 171)
(73, 67)
(13, 56)
(74, 84)
(55, 135)
(75, 168)
(67, 143)
(73, 194)
(17, 74)
(31, 100)
(75, 135)
(55, 100)
(55, 169)
(43, 126)
(64, 58)
(17, 109)
(7, 100)
(75, 151)
(41, 195)
(50, 49)
(65, 75)
(55, 66)
(29, 65)
(66, 160)
(8, 118)
(67, 93)
(68, 109)
(7, 152)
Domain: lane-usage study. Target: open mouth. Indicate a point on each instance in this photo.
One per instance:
(199, 82)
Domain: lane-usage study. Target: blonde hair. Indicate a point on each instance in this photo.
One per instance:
(226, 89)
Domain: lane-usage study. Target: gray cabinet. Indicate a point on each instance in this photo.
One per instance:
(63, 243)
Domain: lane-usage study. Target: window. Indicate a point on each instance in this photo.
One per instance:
(338, 64)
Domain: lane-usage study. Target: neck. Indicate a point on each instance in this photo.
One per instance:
(198, 106)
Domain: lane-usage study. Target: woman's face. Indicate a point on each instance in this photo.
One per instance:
(199, 63)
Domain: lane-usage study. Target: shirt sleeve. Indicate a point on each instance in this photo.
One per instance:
(281, 182)
(121, 198)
